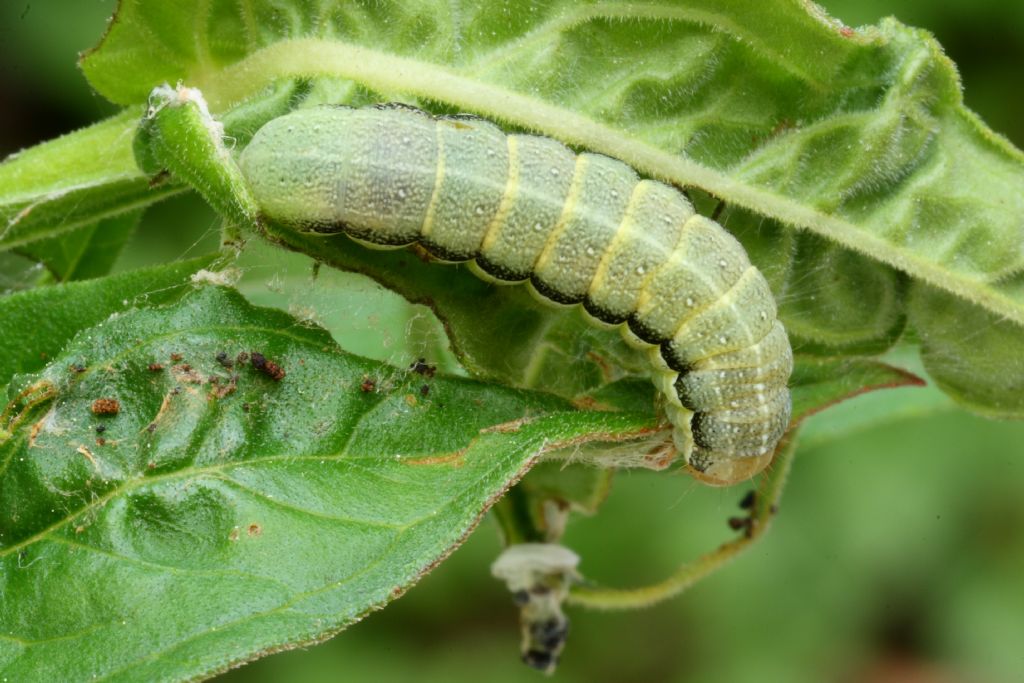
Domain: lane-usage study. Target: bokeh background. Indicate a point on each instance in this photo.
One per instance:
(899, 551)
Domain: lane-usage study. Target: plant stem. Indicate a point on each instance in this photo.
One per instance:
(769, 491)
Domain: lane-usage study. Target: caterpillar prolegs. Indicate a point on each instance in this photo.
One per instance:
(581, 228)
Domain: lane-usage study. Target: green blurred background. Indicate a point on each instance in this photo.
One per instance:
(899, 551)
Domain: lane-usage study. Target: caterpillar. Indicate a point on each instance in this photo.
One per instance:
(581, 229)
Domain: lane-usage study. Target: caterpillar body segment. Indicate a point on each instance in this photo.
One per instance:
(581, 228)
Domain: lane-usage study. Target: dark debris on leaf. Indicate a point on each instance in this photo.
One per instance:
(106, 406)
(420, 367)
(267, 367)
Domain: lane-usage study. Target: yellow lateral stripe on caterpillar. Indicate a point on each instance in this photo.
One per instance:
(582, 229)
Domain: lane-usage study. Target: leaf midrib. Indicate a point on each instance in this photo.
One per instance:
(299, 596)
(385, 73)
(215, 470)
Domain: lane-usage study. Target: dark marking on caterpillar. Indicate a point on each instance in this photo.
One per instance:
(579, 228)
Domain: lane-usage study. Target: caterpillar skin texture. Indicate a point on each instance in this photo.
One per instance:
(581, 228)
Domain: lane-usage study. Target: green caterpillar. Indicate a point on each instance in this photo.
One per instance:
(580, 228)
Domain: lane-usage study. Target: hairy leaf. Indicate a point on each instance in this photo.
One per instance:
(220, 508)
(38, 323)
(87, 252)
(64, 187)
(858, 136)
(976, 357)
(552, 347)
(820, 382)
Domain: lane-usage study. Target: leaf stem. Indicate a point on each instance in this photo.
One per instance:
(514, 520)
(765, 505)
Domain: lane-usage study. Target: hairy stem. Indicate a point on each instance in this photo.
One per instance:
(765, 505)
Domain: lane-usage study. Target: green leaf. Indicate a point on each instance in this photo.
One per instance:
(858, 136)
(818, 383)
(363, 317)
(874, 412)
(552, 347)
(834, 301)
(579, 487)
(70, 186)
(786, 124)
(18, 273)
(87, 252)
(974, 356)
(39, 322)
(224, 512)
